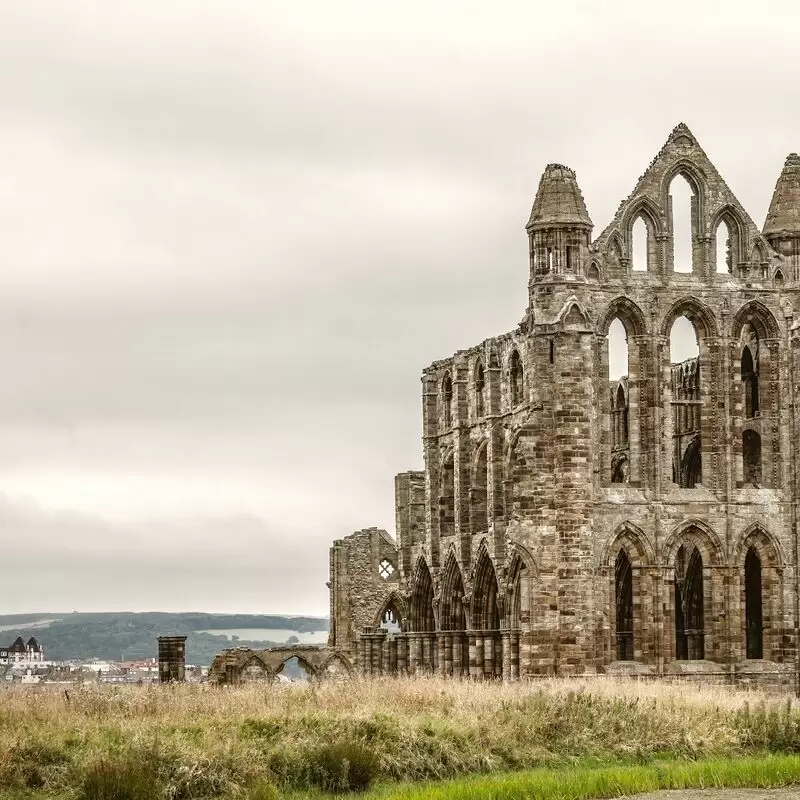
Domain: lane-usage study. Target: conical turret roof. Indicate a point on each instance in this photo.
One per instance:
(558, 200)
(783, 217)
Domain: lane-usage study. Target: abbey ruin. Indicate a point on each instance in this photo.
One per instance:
(569, 519)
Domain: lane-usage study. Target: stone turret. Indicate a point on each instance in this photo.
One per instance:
(782, 227)
(783, 217)
(559, 227)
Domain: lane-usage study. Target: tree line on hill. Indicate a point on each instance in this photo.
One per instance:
(117, 636)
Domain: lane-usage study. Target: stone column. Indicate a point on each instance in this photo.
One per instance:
(402, 650)
(426, 652)
(488, 654)
(442, 663)
(477, 668)
(415, 653)
(448, 653)
(456, 649)
(515, 637)
(506, 655)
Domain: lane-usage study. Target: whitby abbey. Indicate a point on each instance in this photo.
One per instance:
(575, 519)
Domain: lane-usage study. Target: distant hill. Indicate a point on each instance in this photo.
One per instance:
(125, 635)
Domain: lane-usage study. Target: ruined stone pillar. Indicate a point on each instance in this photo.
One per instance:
(476, 669)
(381, 651)
(515, 637)
(390, 656)
(472, 655)
(365, 638)
(442, 656)
(402, 651)
(488, 654)
(506, 655)
(362, 654)
(455, 654)
(426, 659)
(446, 663)
(413, 653)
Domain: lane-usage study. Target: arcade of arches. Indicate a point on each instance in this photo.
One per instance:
(611, 486)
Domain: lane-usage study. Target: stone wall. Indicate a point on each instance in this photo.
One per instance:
(521, 544)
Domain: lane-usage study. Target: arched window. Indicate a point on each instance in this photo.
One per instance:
(640, 245)
(751, 458)
(390, 619)
(686, 404)
(622, 416)
(478, 496)
(447, 499)
(689, 601)
(618, 423)
(753, 608)
(480, 389)
(749, 384)
(623, 586)
(515, 378)
(681, 201)
(778, 278)
(593, 273)
(724, 247)
(447, 400)
(486, 617)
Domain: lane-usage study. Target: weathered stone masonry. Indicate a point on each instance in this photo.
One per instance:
(566, 522)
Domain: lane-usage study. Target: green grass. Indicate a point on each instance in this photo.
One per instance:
(587, 782)
(389, 736)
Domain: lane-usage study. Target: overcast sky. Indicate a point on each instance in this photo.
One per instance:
(233, 233)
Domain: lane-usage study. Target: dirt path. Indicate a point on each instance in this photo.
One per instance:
(789, 793)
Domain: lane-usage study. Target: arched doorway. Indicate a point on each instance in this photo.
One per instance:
(623, 590)
(689, 604)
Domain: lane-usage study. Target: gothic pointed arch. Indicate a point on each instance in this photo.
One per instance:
(627, 312)
(758, 535)
(755, 313)
(635, 542)
(485, 593)
(693, 174)
(696, 311)
(479, 489)
(421, 616)
(521, 574)
(336, 664)
(452, 613)
(394, 610)
(642, 206)
(698, 533)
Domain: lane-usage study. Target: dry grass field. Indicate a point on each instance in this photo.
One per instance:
(262, 741)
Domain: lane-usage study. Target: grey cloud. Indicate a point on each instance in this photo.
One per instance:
(232, 235)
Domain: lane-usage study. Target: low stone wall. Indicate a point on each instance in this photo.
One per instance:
(242, 664)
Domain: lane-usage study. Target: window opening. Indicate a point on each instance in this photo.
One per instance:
(515, 378)
(447, 500)
(686, 404)
(623, 583)
(447, 400)
(480, 385)
(753, 605)
(640, 245)
(723, 247)
(552, 351)
(390, 619)
(689, 612)
(749, 384)
(751, 458)
(617, 343)
(682, 200)
(293, 670)
(480, 516)
(385, 569)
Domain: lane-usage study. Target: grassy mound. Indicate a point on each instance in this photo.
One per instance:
(201, 741)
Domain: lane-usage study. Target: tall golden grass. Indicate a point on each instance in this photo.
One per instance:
(204, 741)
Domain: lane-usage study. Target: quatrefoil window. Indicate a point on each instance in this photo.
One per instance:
(385, 569)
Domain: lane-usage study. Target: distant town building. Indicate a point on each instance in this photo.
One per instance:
(21, 653)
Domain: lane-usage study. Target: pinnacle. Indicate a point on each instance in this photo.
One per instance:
(783, 217)
(558, 200)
